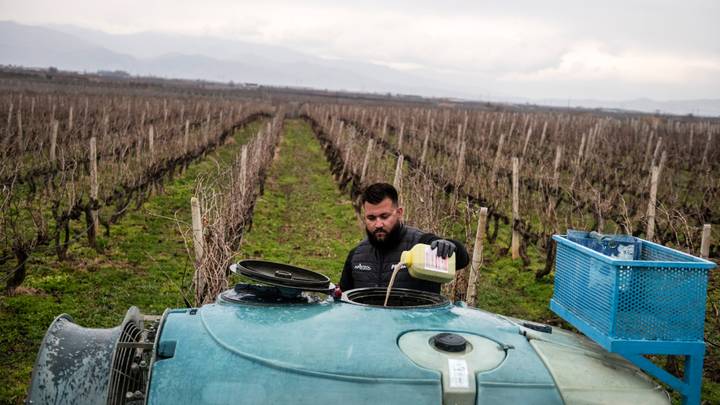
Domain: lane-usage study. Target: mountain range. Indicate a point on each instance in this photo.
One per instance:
(69, 47)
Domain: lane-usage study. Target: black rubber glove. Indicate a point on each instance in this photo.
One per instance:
(444, 248)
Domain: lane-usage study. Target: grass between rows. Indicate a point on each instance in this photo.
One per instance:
(144, 263)
(302, 218)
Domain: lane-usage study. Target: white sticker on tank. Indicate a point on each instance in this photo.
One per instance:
(458, 373)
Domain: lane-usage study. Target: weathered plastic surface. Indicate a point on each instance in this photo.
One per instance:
(228, 353)
(586, 373)
(74, 363)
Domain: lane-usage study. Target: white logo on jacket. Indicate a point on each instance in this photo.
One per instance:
(362, 267)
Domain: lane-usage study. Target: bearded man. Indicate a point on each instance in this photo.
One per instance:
(370, 264)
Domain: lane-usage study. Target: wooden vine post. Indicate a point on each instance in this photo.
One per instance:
(650, 230)
(20, 143)
(657, 152)
(648, 148)
(6, 137)
(543, 135)
(400, 137)
(486, 136)
(151, 142)
(384, 129)
(690, 142)
(186, 138)
(339, 134)
(53, 141)
(707, 148)
(556, 167)
(106, 126)
(197, 228)
(138, 144)
(206, 132)
(496, 162)
(397, 182)
(366, 161)
(198, 244)
(459, 174)
(581, 151)
(515, 243)
(85, 113)
(663, 161)
(243, 170)
(459, 139)
(94, 187)
(527, 141)
(578, 160)
(425, 142)
(346, 161)
(9, 120)
(477, 258)
(460, 166)
(705, 242)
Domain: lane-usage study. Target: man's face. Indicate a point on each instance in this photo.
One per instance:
(382, 218)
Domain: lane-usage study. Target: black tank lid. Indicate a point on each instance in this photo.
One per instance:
(449, 342)
(283, 275)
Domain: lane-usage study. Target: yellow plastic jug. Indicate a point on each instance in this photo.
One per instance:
(423, 263)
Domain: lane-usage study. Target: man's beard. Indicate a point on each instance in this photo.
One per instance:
(392, 237)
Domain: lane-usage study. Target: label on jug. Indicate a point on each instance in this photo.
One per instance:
(435, 263)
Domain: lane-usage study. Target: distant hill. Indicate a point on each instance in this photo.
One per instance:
(707, 107)
(163, 55)
(187, 57)
(37, 46)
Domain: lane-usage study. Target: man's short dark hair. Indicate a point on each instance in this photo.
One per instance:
(375, 193)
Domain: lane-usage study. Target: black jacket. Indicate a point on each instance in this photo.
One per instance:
(369, 266)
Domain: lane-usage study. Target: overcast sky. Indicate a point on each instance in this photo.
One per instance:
(561, 49)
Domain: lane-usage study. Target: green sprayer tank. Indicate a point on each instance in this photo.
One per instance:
(293, 339)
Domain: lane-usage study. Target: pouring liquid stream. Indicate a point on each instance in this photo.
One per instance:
(396, 268)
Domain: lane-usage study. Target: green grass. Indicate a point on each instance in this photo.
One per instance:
(144, 263)
(302, 219)
(507, 286)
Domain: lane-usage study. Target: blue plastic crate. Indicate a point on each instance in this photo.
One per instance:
(659, 297)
